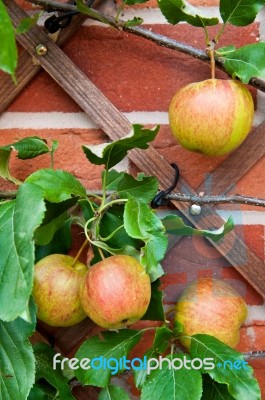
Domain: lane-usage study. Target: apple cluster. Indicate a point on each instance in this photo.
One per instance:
(113, 293)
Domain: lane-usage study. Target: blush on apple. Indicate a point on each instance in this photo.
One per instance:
(116, 292)
(212, 117)
(56, 287)
(212, 307)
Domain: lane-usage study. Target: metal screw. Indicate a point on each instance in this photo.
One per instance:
(41, 49)
(195, 209)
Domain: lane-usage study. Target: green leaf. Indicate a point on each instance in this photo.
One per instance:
(112, 226)
(230, 367)
(113, 392)
(55, 217)
(44, 370)
(134, 22)
(141, 222)
(177, 11)
(128, 250)
(173, 384)
(38, 393)
(91, 13)
(8, 48)
(113, 178)
(111, 154)
(246, 62)
(132, 2)
(213, 390)
(45, 233)
(17, 365)
(27, 23)
(60, 243)
(29, 147)
(175, 225)
(26, 148)
(240, 12)
(160, 345)
(57, 185)
(111, 346)
(18, 221)
(155, 311)
(144, 188)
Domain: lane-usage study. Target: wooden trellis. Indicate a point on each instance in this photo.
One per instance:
(115, 125)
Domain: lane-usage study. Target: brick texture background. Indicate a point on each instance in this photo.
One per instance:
(138, 76)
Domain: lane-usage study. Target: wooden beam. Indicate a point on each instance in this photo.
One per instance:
(108, 118)
(27, 70)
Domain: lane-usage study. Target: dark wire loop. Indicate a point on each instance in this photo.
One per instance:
(55, 22)
(160, 200)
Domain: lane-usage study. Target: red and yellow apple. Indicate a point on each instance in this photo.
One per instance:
(116, 292)
(57, 281)
(212, 117)
(212, 307)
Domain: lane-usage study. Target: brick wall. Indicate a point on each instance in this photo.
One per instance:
(140, 78)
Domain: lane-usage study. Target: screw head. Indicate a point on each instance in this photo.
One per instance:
(195, 209)
(41, 49)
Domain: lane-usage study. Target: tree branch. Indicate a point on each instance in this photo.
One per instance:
(235, 199)
(232, 199)
(160, 40)
(254, 355)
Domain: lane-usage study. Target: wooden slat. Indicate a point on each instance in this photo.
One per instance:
(26, 70)
(95, 104)
(224, 178)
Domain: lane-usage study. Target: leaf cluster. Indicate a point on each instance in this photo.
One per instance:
(243, 63)
(38, 222)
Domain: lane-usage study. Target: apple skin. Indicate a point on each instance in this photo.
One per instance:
(212, 117)
(56, 290)
(116, 292)
(212, 307)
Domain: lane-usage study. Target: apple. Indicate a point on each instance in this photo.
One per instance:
(116, 292)
(212, 117)
(56, 287)
(211, 306)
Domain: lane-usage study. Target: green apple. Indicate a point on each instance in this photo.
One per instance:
(116, 292)
(211, 306)
(212, 117)
(57, 281)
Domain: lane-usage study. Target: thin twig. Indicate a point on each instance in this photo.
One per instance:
(254, 355)
(160, 40)
(232, 199)
(8, 194)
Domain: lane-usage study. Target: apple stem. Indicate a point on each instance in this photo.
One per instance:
(101, 253)
(210, 50)
(170, 311)
(82, 248)
(212, 64)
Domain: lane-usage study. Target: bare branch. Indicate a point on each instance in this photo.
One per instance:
(160, 40)
(232, 199)
(254, 355)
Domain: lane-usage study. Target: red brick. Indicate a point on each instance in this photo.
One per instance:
(250, 295)
(29, 6)
(69, 156)
(254, 237)
(253, 339)
(251, 184)
(205, 3)
(153, 3)
(147, 82)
